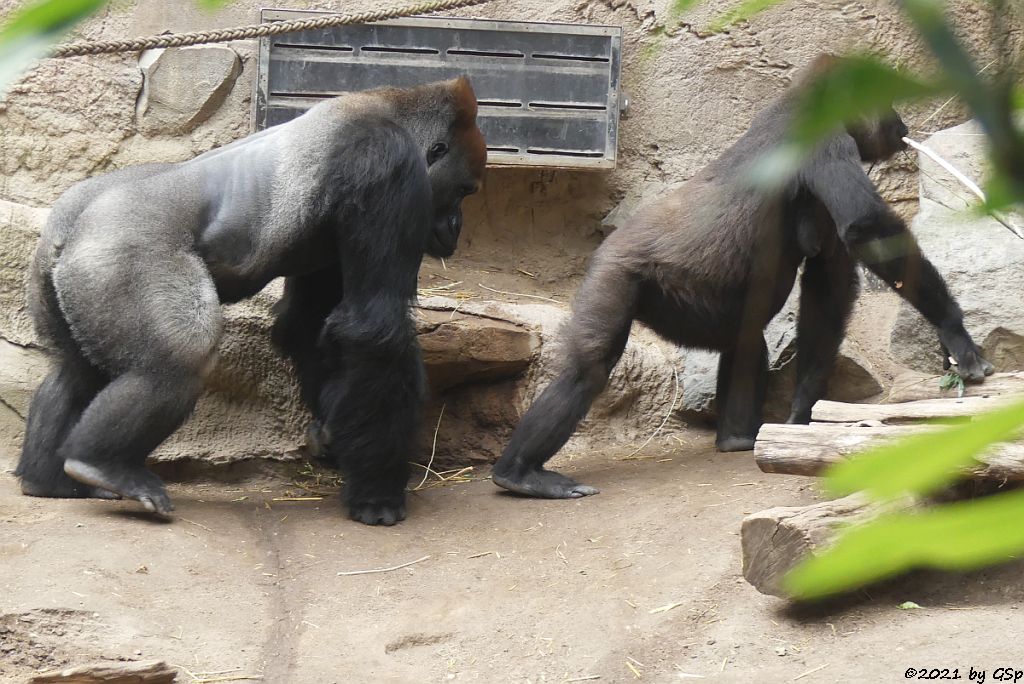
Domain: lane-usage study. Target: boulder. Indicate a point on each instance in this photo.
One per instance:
(980, 259)
(853, 377)
(636, 399)
(460, 348)
(183, 87)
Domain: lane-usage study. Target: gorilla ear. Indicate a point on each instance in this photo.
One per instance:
(465, 102)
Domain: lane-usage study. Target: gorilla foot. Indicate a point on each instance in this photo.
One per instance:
(68, 490)
(970, 364)
(973, 367)
(544, 484)
(729, 444)
(377, 512)
(131, 483)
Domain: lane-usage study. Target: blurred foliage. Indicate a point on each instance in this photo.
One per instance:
(27, 33)
(952, 536)
(956, 536)
(923, 464)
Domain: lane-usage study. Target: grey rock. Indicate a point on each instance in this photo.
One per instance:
(183, 87)
(460, 348)
(852, 379)
(981, 261)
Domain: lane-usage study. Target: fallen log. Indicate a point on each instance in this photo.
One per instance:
(909, 412)
(912, 386)
(144, 672)
(809, 449)
(775, 540)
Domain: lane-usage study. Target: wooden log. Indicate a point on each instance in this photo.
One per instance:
(809, 449)
(911, 386)
(143, 672)
(775, 540)
(908, 412)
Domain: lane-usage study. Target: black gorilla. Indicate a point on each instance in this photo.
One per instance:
(709, 266)
(132, 267)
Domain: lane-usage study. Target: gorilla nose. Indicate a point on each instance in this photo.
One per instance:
(455, 223)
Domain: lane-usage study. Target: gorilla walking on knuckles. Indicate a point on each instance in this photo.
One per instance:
(709, 265)
(132, 267)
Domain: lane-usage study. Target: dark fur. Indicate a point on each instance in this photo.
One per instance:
(709, 266)
(132, 266)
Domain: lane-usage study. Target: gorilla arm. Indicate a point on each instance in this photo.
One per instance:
(371, 400)
(879, 239)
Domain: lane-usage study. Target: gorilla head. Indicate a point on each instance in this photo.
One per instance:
(455, 162)
(879, 137)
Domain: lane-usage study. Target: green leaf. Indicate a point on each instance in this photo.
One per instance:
(909, 605)
(27, 34)
(47, 17)
(958, 536)
(1000, 193)
(991, 104)
(921, 464)
(744, 11)
(952, 380)
(212, 4)
(677, 7)
(855, 88)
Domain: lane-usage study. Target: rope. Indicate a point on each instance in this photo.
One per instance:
(100, 47)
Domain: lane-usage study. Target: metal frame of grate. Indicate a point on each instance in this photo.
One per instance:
(548, 93)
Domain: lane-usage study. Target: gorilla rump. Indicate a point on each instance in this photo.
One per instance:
(132, 267)
(709, 266)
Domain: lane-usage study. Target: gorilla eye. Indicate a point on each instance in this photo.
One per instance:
(436, 151)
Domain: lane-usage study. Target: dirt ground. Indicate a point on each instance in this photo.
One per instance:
(242, 585)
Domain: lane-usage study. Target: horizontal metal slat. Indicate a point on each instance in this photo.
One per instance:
(470, 35)
(500, 130)
(293, 72)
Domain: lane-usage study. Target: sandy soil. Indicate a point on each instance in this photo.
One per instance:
(513, 589)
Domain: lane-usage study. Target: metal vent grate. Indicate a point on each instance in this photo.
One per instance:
(548, 93)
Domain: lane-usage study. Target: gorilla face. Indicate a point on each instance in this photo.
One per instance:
(455, 166)
(879, 138)
(454, 175)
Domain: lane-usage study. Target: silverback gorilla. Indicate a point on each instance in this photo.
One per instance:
(709, 266)
(132, 267)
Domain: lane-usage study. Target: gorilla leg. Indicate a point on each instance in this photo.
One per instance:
(58, 402)
(741, 385)
(122, 425)
(301, 313)
(828, 289)
(594, 340)
(883, 243)
(154, 330)
(56, 407)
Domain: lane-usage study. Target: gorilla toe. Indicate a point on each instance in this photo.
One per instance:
(376, 513)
